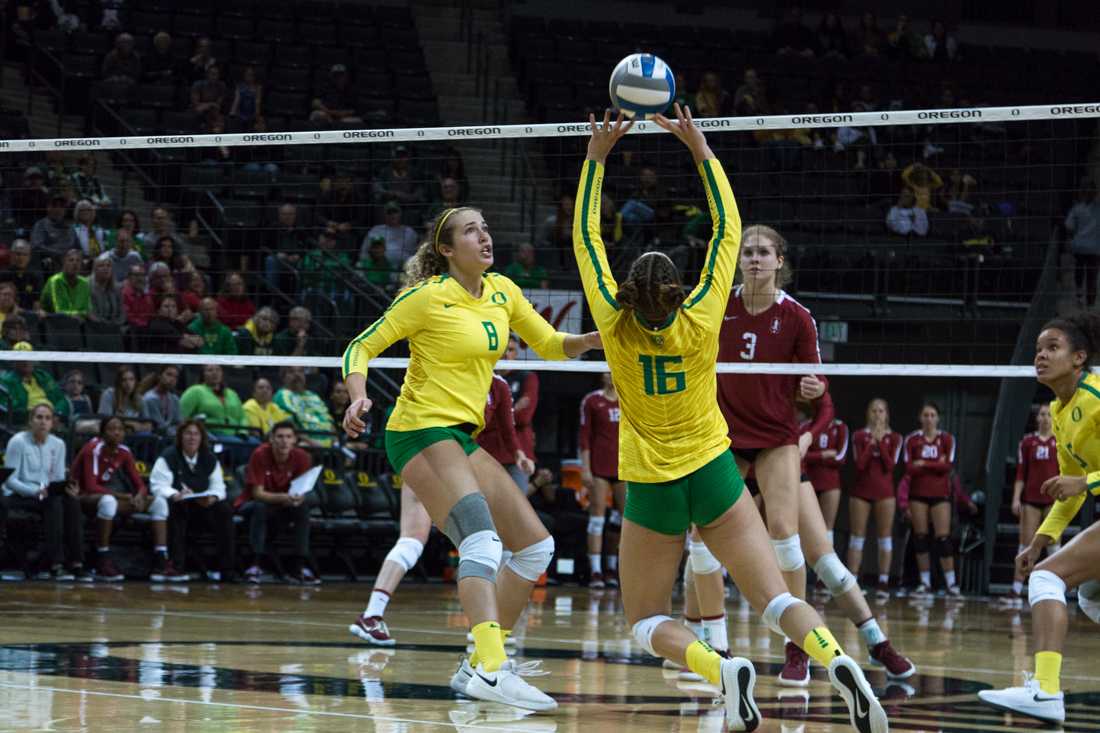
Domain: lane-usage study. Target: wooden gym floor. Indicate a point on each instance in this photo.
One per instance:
(134, 656)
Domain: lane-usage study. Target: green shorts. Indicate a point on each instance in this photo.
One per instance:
(403, 445)
(699, 498)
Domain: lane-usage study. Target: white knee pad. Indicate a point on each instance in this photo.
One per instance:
(107, 507)
(703, 561)
(855, 542)
(405, 552)
(834, 575)
(479, 556)
(886, 543)
(1088, 598)
(789, 553)
(1044, 585)
(532, 561)
(775, 610)
(595, 524)
(158, 510)
(643, 632)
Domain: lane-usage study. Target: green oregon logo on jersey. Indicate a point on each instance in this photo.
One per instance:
(1076, 414)
(499, 298)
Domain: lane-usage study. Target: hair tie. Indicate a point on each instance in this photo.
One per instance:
(439, 228)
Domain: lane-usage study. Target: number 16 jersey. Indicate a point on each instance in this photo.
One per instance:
(759, 408)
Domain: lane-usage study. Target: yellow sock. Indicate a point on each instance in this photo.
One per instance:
(488, 646)
(821, 646)
(704, 661)
(1048, 670)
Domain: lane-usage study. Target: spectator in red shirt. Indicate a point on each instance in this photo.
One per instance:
(266, 500)
(235, 308)
(110, 484)
(137, 302)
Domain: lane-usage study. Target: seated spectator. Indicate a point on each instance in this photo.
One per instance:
(247, 108)
(399, 183)
(137, 301)
(164, 250)
(1083, 226)
(208, 94)
(87, 183)
(192, 295)
(452, 166)
(68, 291)
(189, 476)
(52, 236)
(792, 37)
(905, 218)
(401, 239)
(340, 205)
(106, 295)
(128, 220)
(325, 270)
(167, 333)
(267, 503)
(831, 39)
(160, 65)
(37, 459)
(308, 408)
(13, 331)
(955, 198)
(110, 485)
(924, 181)
(201, 60)
(261, 411)
(235, 308)
(122, 64)
(218, 406)
(164, 226)
(903, 42)
(290, 243)
(257, 337)
(338, 400)
(751, 96)
(938, 45)
(338, 102)
(450, 195)
(524, 272)
(29, 201)
(869, 37)
(123, 257)
(9, 305)
(217, 338)
(123, 399)
(79, 403)
(294, 339)
(26, 278)
(159, 400)
(377, 268)
(89, 237)
(712, 100)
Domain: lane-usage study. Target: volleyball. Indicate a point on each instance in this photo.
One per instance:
(642, 84)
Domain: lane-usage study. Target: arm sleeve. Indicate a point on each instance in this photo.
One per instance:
(532, 327)
(861, 451)
(712, 292)
(945, 463)
(13, 458)
(584, 434)
(1021, 463)
(910, 469)
(84, 472)
(531, 392)
(1061, 514)
(160, 479)
(891, 451)
(505, 416)
(600, 287)
(825, 412)
(841, 445)
(189, 403)
(402, 319)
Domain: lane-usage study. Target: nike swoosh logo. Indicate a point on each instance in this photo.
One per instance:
(483, 679)
(860, 712)
(1036, 698)
(449, 305)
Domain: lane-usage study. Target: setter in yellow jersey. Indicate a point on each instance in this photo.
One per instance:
(456, 317)
(662, 346)
(1064, 354)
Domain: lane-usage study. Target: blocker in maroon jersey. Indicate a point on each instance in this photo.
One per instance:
(1037, 460)
(599, 433)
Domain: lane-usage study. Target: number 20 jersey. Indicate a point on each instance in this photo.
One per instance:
(759, 408)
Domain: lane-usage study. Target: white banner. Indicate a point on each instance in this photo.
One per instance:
(562, 308)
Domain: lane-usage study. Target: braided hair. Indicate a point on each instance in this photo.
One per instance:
(652, 288)
(1082, 329)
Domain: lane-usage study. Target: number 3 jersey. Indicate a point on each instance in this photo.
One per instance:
(664, 375)
(455, 340)
(759, 408)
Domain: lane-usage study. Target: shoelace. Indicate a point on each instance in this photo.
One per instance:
(531, 668)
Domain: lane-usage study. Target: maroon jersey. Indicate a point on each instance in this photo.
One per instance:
(932, 480)
(599, 433)
(1037, 460)
(824, 472)
(499, 436)
(759, 408)
(875, 461)
(525, 384)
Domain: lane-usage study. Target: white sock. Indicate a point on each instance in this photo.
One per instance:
(949, 578)
(926, 578)
(379, 599)
(884, 579)
(871, 633)
(1017, 587)
(612, 562)
(594, 563)
(714, 633)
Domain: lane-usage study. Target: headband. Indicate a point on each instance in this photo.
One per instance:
(439, 228)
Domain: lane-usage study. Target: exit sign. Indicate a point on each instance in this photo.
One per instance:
(834, 332)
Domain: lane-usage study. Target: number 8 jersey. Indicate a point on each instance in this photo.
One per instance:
(455, 340)
(759, 408)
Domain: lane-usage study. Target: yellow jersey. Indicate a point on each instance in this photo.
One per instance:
(670, 421)
(455, 340)
(1077, 429)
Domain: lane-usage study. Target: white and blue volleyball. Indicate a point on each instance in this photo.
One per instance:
(642, 84)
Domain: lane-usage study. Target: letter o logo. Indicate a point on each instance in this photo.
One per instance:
(528, 129)
(122, 141)
(760, 120)
(884, 116)
(1016, 113)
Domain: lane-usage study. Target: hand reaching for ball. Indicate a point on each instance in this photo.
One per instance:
(606, 135)
(686, 131)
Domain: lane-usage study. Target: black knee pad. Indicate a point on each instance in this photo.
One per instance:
(945, 546)
(921, 545)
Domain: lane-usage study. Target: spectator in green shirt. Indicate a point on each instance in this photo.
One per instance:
(216, 336)
(524, 272)
(309, 410)
(67, 292)
(28, 385)
(214, 403)
(325, 270)
(377, 268)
